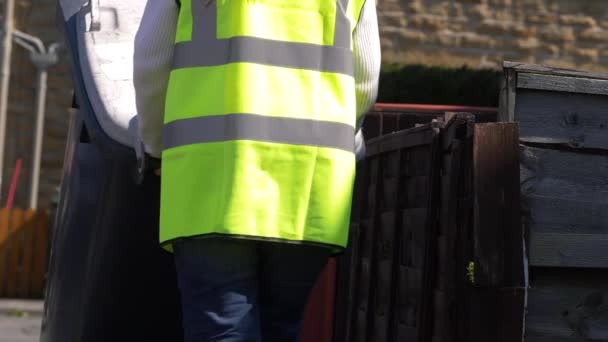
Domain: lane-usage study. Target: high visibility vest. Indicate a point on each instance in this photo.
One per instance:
(259, 122)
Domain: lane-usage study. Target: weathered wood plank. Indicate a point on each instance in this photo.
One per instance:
(506, 110)
(40, 257)
(569, 250)
(4, 246)
(498, 231)
(564, 175)
(562, 215)
(542, 69)
(534, 337)
(578, 120)
(15, 239)
(498, 234)
(562, 84)
(28, 250)
(565, 196)
(567, 305)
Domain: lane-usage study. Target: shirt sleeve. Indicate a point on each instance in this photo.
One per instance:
(367, 58)
(153, 55)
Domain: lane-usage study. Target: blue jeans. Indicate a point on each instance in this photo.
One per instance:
(239, 290)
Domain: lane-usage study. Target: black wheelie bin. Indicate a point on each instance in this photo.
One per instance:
(108, 280)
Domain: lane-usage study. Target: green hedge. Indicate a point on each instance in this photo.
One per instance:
(439, 85)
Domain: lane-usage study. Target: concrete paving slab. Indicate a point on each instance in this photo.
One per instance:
(20, 320)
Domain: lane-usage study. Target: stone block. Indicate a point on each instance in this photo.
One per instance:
(526, 44)
(481, 11)
(581, 54)
(501, 3)
(500, 27)
(582, 20)
(429, 22)
(554, 33)
(409, 36)
(447, 38)
(392, 18)
(473, 1)
(532, 5)
(492, 26)
(415, 7)
(457, 10)
(551, 49)
(542, 18)
(474, 40)
(594, 35)
(441, 8)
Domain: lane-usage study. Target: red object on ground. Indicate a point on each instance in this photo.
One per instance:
(318, 325)
(14, 181)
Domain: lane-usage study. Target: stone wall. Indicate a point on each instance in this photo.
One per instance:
(37, 18)
(483, 33)
(478, 33)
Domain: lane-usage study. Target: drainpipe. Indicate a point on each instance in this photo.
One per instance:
(43, 59)
(5, 75)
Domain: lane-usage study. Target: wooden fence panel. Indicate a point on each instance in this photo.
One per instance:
(14, 244)
(564, 159)
(24, 243)
(4, 238)
(27, 231)
(41, 255)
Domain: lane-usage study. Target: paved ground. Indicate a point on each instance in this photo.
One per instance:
(20, 320)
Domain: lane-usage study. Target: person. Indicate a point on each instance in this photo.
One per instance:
(256, 108)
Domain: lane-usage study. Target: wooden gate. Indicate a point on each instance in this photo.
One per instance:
(24, 246)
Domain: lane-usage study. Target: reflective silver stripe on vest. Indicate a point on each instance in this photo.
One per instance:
(255, 127)
(206, 50)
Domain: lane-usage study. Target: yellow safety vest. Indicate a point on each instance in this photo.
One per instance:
(259, 122)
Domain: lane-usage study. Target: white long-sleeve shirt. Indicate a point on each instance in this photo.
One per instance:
(154, 54)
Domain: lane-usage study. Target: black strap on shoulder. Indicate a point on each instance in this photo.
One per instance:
(179, 3)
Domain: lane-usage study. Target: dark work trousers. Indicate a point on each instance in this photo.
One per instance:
(240, 290)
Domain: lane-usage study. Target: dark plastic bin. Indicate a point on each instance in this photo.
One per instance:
(108, 278)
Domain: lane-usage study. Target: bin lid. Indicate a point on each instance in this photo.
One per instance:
(106, 32)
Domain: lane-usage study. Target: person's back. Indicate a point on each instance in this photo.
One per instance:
(258, 160)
